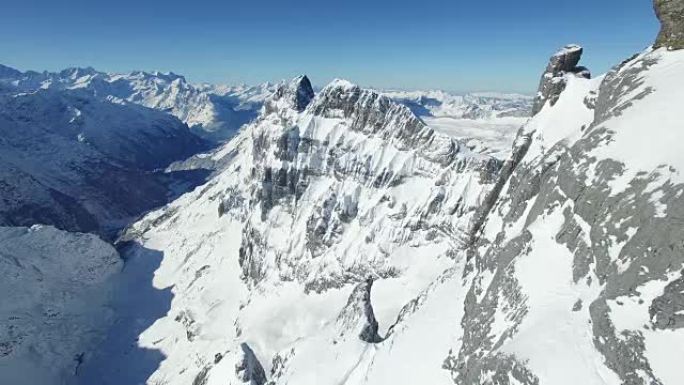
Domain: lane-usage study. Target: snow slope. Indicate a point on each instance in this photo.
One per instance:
(56, 290)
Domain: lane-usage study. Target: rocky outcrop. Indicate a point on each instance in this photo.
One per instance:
(359, 312)
(620, 240)
(671, 16)
(562, 63)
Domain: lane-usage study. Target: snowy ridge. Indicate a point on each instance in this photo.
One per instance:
(567, 283)
(213, 112)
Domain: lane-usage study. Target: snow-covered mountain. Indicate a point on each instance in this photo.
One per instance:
(488, 121)
(320, 194)
(345, 240)
(212, 112)
(81, 163)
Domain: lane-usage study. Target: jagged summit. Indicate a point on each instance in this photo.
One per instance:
(671, 16)
(76, 72)
(562, 63)
(304, 92)
(296, 93)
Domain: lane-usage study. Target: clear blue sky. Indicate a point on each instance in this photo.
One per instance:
(455, 45)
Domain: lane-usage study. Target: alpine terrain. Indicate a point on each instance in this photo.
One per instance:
(345, 236)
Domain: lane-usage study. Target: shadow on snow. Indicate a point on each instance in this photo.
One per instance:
(119, 359)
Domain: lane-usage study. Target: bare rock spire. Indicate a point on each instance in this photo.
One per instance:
(553, 81)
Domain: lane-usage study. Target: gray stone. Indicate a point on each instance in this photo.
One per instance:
(667, 311)
(671, 16)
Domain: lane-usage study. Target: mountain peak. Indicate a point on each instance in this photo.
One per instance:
(341, 83)
(8, 72)
(303, 92)
(298, 92)
(77, 72)
(671, 16)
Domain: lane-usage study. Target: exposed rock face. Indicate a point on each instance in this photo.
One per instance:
(671, 16)
(667, 311)
(562, 63)
(337, 138)
(620, 243)
(249, 369)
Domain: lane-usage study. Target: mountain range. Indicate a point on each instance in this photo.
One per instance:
(345, 236)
